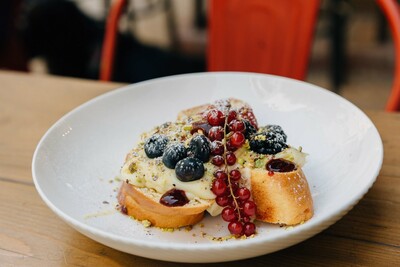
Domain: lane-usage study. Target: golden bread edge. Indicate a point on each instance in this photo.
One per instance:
(144, 207)
(282, 198)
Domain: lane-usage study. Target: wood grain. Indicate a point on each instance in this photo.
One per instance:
(29, 105)
(32, 235)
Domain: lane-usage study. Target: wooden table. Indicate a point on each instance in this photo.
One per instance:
(32, 235)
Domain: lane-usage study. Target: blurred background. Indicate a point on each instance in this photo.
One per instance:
(352, 51)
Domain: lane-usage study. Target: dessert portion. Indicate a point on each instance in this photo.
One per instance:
(215, 158)
(156, 189)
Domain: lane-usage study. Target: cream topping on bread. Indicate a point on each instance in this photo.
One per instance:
(251, 160)
(142, 171)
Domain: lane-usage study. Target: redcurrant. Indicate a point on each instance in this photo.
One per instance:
(228, 214)
(230, 158)
(235, 175)
(232, 114)
(217, 148)
(243, 193)
(215, 117)
(237, 139)
(237, 126)
(216, 133)
(220, 174)
(249, 228)
(217, 160)
(235, 228)
(219, 187)
(230, 147)
(249, 208)
(222, 201)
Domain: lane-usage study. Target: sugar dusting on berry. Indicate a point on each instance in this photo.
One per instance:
(155, 145)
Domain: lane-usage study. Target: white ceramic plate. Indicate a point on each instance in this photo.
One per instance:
(77, 159)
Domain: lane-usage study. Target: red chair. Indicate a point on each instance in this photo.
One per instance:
(110, 40)
(272, 37)
(391, 9)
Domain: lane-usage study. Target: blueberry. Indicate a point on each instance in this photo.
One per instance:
(250, 129)
(173, 153)
(189, 169)
(267, 143)
(276, 129)
(155, 145)
(199, 147)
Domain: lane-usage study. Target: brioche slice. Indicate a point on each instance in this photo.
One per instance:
(195, 113)
(143, 204)
(281, 197)
(235, 103)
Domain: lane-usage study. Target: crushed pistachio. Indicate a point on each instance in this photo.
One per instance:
(246, 145)
(132, 167)
(146, 223)
(241, 161)
(168, 229)
(260, 162)
(260, 137)
(187, 127)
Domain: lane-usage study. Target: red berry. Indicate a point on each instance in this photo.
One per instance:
(228, 214)
(217, 160)
(220, 174)
(249, 228)
(237, 126)
(216, 133)
(234, 185)
(249, 208)
(237, 139)
(215, 117)
(243, 193)
(223, 201)
(232, 115)
(230, 158)
(245, 218)
(235, 228)
(217, 148)
(249, 115)
(229, 146)
(235, 175)
(219, 187)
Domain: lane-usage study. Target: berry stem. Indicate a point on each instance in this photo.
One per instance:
(237, 209)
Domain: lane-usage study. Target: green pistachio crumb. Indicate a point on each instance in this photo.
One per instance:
(132, 167)
(146, 223)
(187, 127)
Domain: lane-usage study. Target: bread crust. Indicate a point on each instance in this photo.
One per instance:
(145, 206)
(281, 198)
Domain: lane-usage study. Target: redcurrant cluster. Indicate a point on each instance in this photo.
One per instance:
(227, 135)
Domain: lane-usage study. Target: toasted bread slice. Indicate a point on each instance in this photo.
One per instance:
(281, 197)
(143, 204)
(195, 113)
